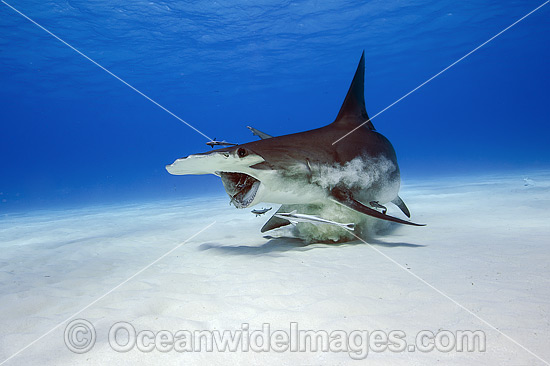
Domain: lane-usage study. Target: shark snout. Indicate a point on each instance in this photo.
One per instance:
(213, 162)
(196, 164)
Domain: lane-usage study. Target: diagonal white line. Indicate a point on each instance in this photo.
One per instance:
(442, 71)
(107, 71)
(452, 300)
(105, 294)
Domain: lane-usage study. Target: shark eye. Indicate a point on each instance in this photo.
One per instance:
(242, 152)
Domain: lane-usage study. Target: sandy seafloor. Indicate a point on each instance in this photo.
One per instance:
(486, 246)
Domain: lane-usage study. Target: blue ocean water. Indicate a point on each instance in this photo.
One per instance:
(72, 134)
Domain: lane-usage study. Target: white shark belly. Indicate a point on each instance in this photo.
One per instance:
(290, 194)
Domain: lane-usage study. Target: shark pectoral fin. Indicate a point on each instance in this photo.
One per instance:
(345, 198)
(276, 222)
(402, 206)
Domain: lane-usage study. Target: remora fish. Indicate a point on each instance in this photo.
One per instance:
(261, 212)
(294, 218)
(219, 143)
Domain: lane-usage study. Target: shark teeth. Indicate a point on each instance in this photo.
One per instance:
(248, 197)
(241, 187)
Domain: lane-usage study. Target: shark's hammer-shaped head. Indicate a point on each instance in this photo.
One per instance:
(233, 165)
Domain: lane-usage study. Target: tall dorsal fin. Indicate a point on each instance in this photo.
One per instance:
(353, 112)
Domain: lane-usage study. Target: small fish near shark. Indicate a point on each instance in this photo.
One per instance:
(294, 217)
(260, 212)
(311, 171)
(219, 143)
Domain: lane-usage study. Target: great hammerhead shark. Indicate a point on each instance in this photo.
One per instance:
(309, 169)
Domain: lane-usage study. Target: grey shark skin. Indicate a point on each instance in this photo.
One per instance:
(306, 168)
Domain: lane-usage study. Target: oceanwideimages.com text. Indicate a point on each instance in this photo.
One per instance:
(80, 337)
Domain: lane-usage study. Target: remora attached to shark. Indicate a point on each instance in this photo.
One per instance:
(307, 168)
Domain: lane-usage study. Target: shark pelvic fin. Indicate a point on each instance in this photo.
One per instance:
(353, 112)
(345, 198)
(276, 222)
(402, 206)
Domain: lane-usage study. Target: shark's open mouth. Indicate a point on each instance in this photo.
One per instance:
(242, 188)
